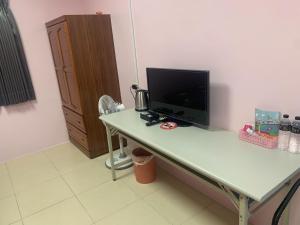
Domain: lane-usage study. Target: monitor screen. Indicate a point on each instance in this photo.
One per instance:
(180, 94)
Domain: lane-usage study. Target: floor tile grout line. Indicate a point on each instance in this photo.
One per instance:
(147, 203)
(194, 214)
(49, 159)
(14, 193)
(10, 182)
(110, 181)
(35, 184)
(61, 176)
(90, 188)
(7, 196)
(16, 222)
(72, 169)
(143, 198)
(202, 209)
(120, 209)
(163, 216)
(155, 210)
(191, 216)
(137, 198)
(49, 206)
(80, 164)
(62, 172)
(94, 187)
(76, 197)
(84, 191)
(35, 152)
(132, 189)
(10, 176)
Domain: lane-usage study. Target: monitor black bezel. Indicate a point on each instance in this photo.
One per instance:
(202, 125)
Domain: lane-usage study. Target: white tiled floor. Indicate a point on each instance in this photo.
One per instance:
(60, 186)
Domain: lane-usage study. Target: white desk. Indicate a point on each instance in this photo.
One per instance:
(247, 173)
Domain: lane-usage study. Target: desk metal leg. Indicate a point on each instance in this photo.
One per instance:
(110, 148)
(285, 219)
(121, 142)
(243, 210)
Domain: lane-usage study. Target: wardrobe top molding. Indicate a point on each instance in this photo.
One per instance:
(65, 18)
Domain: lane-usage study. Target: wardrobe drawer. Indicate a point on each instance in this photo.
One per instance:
(78, 135)
(75, 119)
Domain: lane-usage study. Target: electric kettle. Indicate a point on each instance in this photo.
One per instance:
(141, 98)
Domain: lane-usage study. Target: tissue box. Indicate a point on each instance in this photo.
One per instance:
(261, 140)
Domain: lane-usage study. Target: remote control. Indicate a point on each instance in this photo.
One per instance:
(154, 122)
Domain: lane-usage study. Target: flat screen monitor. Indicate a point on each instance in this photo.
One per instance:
(180, 94)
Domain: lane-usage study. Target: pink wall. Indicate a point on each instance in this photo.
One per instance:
(252, 49)
(245, 45)
(34, 126)
(123, 40)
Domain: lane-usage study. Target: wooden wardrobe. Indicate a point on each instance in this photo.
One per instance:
(84, 60)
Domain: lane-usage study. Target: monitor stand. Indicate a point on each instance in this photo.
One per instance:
(179, 123)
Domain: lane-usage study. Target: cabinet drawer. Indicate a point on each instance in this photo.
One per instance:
(77, 135)
(74, 119)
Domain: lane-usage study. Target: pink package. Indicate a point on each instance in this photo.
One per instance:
(259, 140)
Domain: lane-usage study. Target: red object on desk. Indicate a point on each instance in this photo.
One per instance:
(168, 126)
(261, 140)
(247, 126)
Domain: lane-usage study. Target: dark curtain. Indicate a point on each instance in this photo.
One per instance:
(15, 81)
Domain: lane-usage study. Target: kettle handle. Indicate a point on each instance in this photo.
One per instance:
(133, 87)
